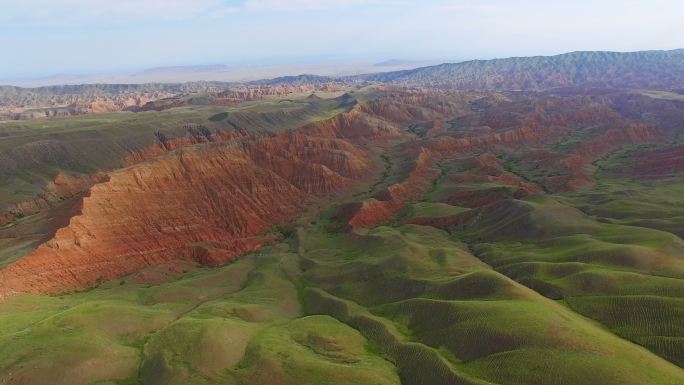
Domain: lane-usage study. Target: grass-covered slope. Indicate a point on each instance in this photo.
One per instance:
(241, 324)
(420, 295)
(612, 252)
(397, 305)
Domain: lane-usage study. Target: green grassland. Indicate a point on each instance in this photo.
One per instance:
(433, 210)
(405, 304)
(612, 252)
(576, 288)
(240, 324)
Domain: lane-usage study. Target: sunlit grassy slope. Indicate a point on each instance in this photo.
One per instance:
(612, 253)
(240, 324)
(399, 304)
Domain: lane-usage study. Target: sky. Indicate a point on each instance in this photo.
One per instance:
(45, 37)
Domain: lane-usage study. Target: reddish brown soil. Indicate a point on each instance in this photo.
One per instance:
(388, 202)
(201, 201)
(384, 206)
(657, 164)
(207, 203)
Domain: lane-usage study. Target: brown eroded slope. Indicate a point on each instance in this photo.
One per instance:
(208, 203)
(209, 197)
(386, 204)
(659, 164)
(557, 136)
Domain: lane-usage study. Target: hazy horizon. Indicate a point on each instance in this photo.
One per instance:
(126, 36)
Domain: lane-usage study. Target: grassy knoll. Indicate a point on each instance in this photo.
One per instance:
(240, 324)
(612, 253)
(426, 302)
(627, 277)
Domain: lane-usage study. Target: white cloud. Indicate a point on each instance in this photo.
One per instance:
(60, 13)
(223, 12)
(469, 7)
(68, 12)
(302, 5)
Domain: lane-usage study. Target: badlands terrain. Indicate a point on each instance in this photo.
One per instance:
(509, 222)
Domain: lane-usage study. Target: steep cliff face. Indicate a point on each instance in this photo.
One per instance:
(208, 197)
(313, 164)
(149, 213)
(206, 203)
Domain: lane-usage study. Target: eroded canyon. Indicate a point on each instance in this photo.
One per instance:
(405, 235)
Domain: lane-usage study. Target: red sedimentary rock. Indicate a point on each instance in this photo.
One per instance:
(387, 203)
(150, 213)
(657, 164)
(420, 180)
(208, 198)
(207, 203)
(165, 145)
(577, 162)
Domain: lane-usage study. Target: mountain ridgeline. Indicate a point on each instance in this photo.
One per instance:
(646, 69)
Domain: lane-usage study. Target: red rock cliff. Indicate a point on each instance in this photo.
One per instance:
(208, 203)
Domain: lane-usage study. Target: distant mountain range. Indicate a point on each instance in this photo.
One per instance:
(653, 70)
(405, 63)
(66, 94)
(645, 69)
(216, 72)
(184, 69)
